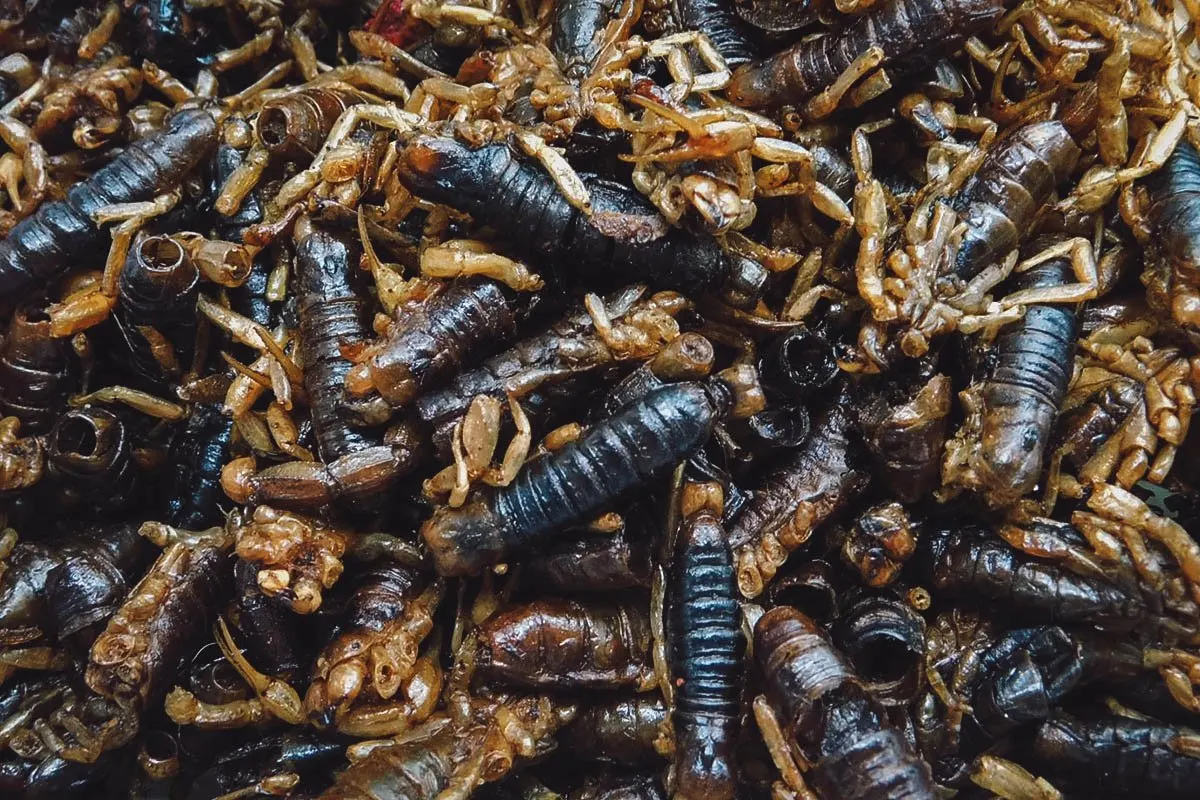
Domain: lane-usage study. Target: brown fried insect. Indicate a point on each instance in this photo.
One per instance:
(565, 643)
(133, 661)
(828, 66)
(811, 484)
(385, 619)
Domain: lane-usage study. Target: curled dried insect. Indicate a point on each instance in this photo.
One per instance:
(376, 648)
(34, 371)
(1012, 412)
(815, 706)
(1013, 183)
(428, 344)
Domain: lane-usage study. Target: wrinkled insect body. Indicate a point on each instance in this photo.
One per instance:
(904, 29)
(376, 644)
(355, 464)
(1029, 671)
(566, 644)
(831, 720)
(90, 453)
(56, 590)
(546, 353)
(1021, 396)
(34, 372)
(1117, 756)
(1175, 215)
(601, 562)
(906, 434)
(332, 313)
(91, 581)
(706, 650)
(968, 561)
(193, 501)
(46, 244)
(998, 205)
(134, 660)
(428, 344)
(623, 241)
(570, 486)
(808, 487)
(627, 730)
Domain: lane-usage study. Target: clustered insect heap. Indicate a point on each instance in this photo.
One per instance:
(599, 398)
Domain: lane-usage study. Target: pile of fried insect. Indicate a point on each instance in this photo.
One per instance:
(589, 399)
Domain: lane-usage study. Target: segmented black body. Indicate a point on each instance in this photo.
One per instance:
(34, 372)
(904, 428)
(706, 648)
(906, 30)
(565, 644)
(602, 562)
(1028, 672)
(1116, 756)
(429, 343)
(1021, 396)
(572, 485)
(195, 494)
(823, 473)
(716, 20)
(834, 723)
(332, 313)
(516, 196)
(381, 594)
(249, 299)
(416, 770)
(626, 730)
(46, 244)
(999, 203)
(1175, 215)
(90, 452)
(578, 34)
(966, 560)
